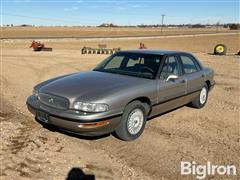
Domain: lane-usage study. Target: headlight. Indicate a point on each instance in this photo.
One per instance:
(90, 107)
(35, 93)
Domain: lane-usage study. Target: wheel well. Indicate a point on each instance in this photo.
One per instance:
(144, 100)
(208, 83)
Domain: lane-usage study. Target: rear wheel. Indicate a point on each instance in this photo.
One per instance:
(133, 121)
(201, 100)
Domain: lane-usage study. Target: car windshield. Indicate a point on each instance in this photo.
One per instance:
(131, 64)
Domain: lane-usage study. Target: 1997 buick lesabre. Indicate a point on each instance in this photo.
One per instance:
(122, 92)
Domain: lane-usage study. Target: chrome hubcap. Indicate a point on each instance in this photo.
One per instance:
(135, 121)
(203, 95)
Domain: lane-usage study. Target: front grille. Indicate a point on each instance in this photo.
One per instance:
(54, 101)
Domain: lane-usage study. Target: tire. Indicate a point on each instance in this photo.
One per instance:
(200, 101)
(220, 49)
(135, 113)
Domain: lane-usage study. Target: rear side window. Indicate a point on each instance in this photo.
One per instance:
(189, 64)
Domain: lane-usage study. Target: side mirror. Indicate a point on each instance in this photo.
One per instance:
(172, 77)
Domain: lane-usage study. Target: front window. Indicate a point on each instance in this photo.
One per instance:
(170, 67)
(131, 64)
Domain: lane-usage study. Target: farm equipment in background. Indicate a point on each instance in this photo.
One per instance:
(142, 46)
(102, 49)
(220, 49)
(37, 46)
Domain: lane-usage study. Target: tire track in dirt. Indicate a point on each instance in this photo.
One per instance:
(31, 151)
(13, 144)
(19, 142)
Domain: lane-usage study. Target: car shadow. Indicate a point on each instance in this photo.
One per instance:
(72, 134)
(211, 54)
(77, 174)
(228, 54)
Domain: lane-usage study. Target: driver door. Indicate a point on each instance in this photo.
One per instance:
(171, 90)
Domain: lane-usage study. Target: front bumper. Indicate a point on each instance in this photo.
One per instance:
(84, 124)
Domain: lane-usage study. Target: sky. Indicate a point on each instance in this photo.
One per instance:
(120, 12)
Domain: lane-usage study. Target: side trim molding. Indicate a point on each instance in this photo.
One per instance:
(176, 98)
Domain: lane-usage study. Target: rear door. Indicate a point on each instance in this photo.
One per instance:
(192, 73)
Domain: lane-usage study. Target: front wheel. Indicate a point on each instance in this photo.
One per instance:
(201, 100)
(133, 121)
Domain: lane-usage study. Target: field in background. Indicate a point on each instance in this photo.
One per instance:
(193, 44)
(29, 151)
(79, 32)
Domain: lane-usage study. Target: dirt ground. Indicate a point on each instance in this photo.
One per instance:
(29, 151)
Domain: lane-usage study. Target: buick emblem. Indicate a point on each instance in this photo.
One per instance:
(50, 100)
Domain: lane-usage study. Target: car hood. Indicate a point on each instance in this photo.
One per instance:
(90, 85)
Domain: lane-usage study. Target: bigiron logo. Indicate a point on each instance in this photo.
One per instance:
(202, 171)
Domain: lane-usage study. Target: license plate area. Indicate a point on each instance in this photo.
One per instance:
(42, 116)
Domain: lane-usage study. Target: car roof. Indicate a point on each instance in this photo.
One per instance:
(154, 52)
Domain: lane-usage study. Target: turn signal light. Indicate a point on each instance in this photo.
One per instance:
(93, 125)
